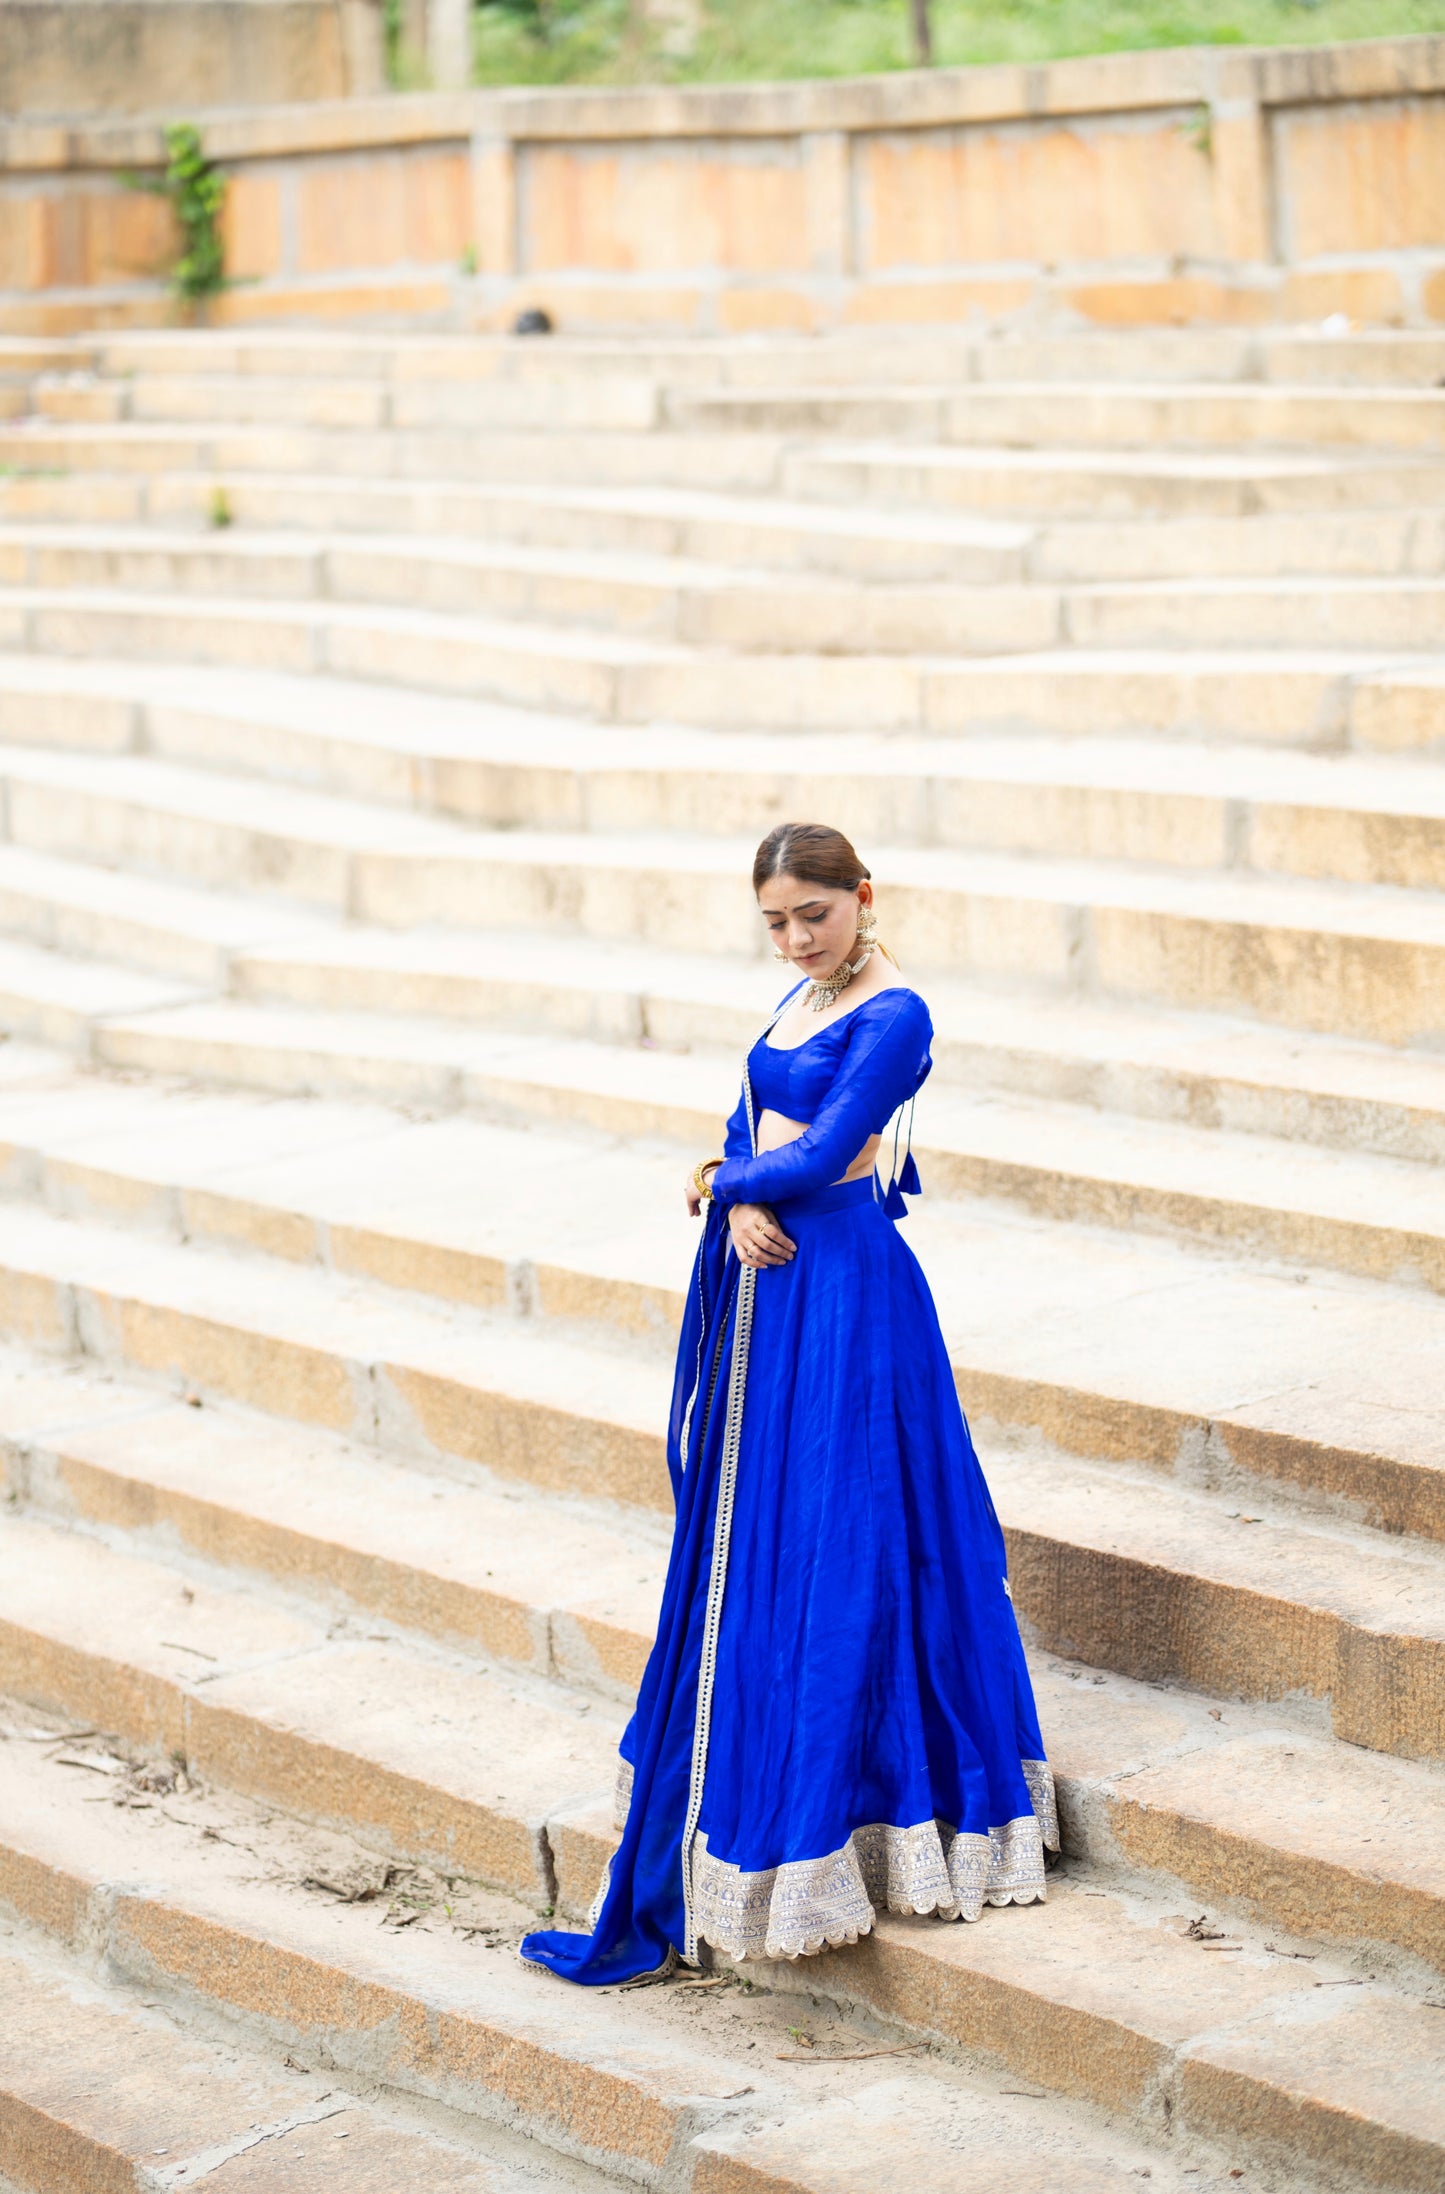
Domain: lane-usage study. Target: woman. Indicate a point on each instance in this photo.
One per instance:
(836, 1717)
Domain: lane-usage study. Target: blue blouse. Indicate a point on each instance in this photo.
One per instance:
(848, 1080)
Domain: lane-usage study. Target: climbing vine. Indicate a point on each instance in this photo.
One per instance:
(196, 190)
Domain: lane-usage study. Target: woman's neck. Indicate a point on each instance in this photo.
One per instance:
(874, 975)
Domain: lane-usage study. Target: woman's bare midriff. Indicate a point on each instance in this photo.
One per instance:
(774, 1130)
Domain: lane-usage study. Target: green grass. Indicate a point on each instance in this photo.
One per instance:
(597, 42)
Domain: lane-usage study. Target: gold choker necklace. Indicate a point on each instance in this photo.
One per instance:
(822, 990)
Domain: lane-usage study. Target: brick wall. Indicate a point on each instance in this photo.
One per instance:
(1223, 186)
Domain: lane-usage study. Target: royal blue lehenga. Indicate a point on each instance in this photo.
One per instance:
(836, 1718)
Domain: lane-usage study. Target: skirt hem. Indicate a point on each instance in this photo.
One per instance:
(804, 1906)
(840, 1938)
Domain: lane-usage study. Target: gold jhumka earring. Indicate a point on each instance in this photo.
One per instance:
(823, 989)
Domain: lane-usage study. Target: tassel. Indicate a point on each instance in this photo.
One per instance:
(893, 1203)
(908, 1180)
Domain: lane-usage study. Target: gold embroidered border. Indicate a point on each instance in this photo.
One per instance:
(621, 1794)
(808, 1905)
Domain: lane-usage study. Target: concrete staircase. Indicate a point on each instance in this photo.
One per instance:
(386, 724)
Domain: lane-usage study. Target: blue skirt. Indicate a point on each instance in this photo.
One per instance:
(836, 1718)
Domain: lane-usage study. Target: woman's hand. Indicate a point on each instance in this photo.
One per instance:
(757, 1237)
(694, 1201)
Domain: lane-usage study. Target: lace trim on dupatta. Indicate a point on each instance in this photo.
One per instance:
(692, 1844)
(809, 1905)
(1039, 1777)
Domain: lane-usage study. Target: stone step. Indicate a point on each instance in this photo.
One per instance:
(1329, 818)
(1320, 700)
(22, 355)
(565, 1594)
(1077, 415)
(661, 521)
(324, 1720)
(1396, 357)
(1054, 482)
(1351, 959)
(655, 597)
(726, 606)
(582, 1416)
(98, 2090)
(1376, 1217)
(620, 401)
(1238, 1373)
(551, 666)
(1188, 1068)
(938, 355)
(732, 462)
(693, 2089)
(1356, 965)
(54, 999)
(1145, 1780)
(1357, 1864)
(1105, 486)
(1214, 1072)
(882, 542)
(140, 922)
(124, 2095)
(1403, 357)
(1081, 414)
(1314, 1359)
(1153, 1571)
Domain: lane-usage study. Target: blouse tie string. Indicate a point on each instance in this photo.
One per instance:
(906, 1182)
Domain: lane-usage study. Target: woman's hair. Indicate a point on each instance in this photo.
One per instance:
(812, 852)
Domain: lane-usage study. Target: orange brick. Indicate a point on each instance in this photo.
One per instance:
(438, 209)
(974, 197)
(902, 303)
(129, 236)
(382, 210)
(361, 300)
(1184, 301)
(654, 209)
(22, 241)
(1362, 178)
(1370, 295)
(251, 226)
(746, 311)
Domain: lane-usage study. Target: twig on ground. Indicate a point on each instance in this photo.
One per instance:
(849, 2056)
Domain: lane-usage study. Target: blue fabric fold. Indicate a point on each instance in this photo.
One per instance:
(639, 1925)
(868, 1667)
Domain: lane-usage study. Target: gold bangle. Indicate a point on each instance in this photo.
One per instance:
(704, 1190)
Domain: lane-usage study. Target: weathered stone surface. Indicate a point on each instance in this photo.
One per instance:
(93, 2098)
(1363, 1841)
(416, 789)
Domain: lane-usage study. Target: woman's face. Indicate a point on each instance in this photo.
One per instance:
(813, 925)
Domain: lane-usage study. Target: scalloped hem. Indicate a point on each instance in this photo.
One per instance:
(806, 1906)
(814, 1947)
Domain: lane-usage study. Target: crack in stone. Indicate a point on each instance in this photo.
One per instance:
(192, 2169)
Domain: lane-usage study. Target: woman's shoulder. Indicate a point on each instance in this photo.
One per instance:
(889, 1019)
(898, 1004)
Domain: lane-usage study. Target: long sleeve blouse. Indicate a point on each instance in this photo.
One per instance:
(852, 1076)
